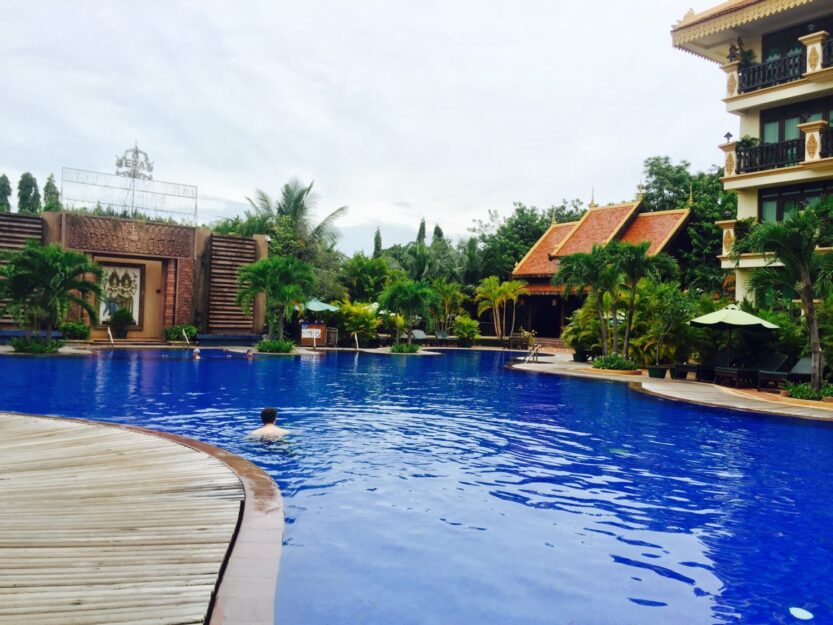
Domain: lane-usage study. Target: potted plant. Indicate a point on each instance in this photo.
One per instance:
(673, 308)
(119, 321)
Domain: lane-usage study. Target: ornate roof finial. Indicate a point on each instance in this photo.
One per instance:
(593, 198)
(640, 191)
(690, 202)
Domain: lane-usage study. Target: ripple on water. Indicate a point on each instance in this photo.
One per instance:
(450, 490)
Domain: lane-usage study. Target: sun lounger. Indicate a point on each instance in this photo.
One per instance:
(772, 380)
(417, 336)
(443, 338)
(748, 376)
(702, 372)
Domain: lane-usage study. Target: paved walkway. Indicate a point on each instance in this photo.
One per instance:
(102, 524)
(689, 391)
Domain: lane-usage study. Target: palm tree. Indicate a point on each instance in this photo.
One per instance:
(793, 244)
(450, 298)
(364, 278)
(633, 261)
(40, 283)
(409, 298)
(512, 291)
(591, 272)
(285, 282)
(490, 296)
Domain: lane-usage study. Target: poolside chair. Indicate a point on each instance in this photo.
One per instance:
(443, 338)
(518, 341)
(772, 380)
(417, 336)
(702, 372)
(748, 376)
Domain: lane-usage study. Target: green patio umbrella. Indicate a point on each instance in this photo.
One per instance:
(730, 318)
(318, 306)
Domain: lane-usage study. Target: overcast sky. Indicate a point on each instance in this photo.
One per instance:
(398, 109)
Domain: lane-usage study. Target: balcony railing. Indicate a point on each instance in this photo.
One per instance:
(769, 156)
(827, 53)
(760, 75)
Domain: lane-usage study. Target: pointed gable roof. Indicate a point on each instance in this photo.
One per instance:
(599, 225)
(656, 228)
(537, 261)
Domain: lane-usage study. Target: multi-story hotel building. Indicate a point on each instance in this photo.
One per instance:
(778, 60)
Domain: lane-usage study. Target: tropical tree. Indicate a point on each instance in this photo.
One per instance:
(490, 296)
(590, 272)
(39, 284)
(28, 196)
(51, 196)
(512, 291)
(5, 192)
(377, 243)
(411, 299)
(793, 262)
(285, 281)
(364, 278)
(359, 320)
(449, 301)
(633, 261)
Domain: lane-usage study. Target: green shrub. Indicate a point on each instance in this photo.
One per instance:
(805, 391)
(466, 329)
(35, 345)
(275, 346)
(614, 361)
(174, 333)
(404, 348)
(75, 330)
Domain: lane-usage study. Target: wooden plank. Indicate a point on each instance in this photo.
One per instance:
(103, 525)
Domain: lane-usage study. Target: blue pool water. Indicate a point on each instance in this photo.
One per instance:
(449, 490)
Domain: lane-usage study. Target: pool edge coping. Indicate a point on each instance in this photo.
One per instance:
(769, 407)
(247, 595)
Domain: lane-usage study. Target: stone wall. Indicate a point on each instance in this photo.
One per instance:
(122, 236)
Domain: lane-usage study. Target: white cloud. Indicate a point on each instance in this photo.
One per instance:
(397, 109)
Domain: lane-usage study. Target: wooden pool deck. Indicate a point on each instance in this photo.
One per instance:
(105, 524)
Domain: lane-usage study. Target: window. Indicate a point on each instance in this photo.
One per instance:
(785, 43)
(781, 124)
(778, 204)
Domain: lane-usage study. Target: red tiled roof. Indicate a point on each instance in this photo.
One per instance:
(656, 228)
(599, 225)
(543, 288)
(537, 261)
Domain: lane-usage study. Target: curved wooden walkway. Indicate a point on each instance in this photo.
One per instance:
(108, 525)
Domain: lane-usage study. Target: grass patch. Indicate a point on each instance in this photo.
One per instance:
(615, 362)
(35, 345)
(275, 346)
(404, 348)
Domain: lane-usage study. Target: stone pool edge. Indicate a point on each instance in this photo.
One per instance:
(246, 587)
(655, 388)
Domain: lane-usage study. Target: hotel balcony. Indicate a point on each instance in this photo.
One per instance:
(772, 164)
(805, 74)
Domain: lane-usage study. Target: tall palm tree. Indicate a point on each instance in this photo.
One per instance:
(364, 278)
(409, 298)
(285, 282)
(40, 283)
(793, 262)
(512, 291)
(591, 272)
(490, 296)
(633, 261)
(294, 211)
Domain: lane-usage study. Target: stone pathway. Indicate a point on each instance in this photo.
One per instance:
(680, 390)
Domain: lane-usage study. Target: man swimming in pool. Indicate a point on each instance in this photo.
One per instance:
(269, 431)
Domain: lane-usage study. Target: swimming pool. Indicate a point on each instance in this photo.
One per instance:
(451, 491)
